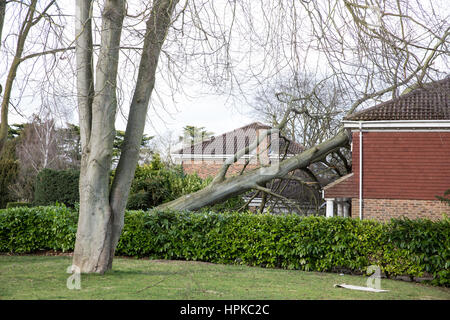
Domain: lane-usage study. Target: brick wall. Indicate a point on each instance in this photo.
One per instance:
(403, 165)
(385, 209)
(207, 168)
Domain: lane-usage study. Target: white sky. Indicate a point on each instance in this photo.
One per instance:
(214, 112)
(217, 113)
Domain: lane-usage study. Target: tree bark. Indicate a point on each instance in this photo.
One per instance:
(94, 234)
(157, 27)
(2, 19)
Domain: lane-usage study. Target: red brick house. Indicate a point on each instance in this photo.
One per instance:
(400, 158)
(207, 157)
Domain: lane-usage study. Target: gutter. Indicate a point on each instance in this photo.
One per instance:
(360, 171)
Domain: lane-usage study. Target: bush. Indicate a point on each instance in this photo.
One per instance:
(57, 186)
(158, 183)
(9, 169)
(25, 230)
(401, 247)
(445, 198)
(8, 172)
(426, 243)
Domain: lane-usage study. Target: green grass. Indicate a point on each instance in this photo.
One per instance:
(44, 277)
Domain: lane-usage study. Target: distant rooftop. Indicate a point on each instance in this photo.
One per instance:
(429, 102)
(237, 139)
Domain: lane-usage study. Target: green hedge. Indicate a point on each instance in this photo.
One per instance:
(57, 186)
(401, 247)
(26, 230)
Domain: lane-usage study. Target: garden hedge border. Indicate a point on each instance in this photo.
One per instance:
(400, 247)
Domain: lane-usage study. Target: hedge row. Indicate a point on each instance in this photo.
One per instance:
(57, 186)
(401, 247)
(26, 230)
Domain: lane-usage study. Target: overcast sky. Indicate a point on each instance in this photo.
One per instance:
(195, 106)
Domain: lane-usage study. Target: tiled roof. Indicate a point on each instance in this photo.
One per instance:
(233, 141)
(429, 102)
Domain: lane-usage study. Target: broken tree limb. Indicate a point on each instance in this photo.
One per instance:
(239, 184)
(221, 175)
(274, 194)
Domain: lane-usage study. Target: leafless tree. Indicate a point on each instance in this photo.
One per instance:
(41, 145)
(33, 33)
(323, 106)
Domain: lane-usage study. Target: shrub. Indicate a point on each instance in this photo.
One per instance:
(57, 186)
(401, 247)
(8, 172)
(9, 169)
(157, 183)
(445, 198)
(427, 244)
(24, 230)
(138, 201)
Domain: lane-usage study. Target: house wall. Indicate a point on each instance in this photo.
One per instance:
(403, 172)
(386, 209)
(403, 165)
(206, 168)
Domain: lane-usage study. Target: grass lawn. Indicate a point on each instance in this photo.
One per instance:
(44, 277)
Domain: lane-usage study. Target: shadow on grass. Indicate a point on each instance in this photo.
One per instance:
(146, 273)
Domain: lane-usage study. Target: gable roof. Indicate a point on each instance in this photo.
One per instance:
(429, 102)
(235, 140)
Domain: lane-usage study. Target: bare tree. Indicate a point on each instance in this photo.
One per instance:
(32, 32)
(322, 106)
(41, 145)
(323, 102)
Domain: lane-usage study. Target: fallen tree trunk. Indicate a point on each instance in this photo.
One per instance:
(236, 185)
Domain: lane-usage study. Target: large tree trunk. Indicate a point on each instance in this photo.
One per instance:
(101, 209)
(254, 179)
(2, 19)
(93, 243)
(157, 27)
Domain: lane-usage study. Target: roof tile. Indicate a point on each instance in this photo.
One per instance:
(429, 102)
(233, 141)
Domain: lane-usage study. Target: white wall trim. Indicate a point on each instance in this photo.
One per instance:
(220, 156)
(399, 124)
(402, 130)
